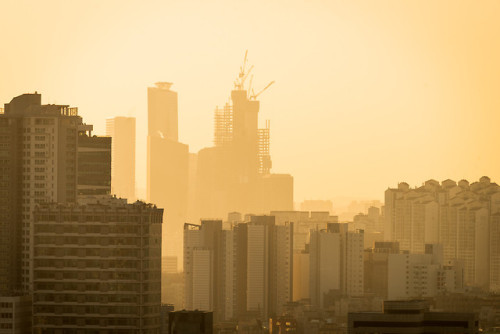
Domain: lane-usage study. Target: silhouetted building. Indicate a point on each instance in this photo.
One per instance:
(167, 164)
(97, 266)
(412, 317)
(39, 147)
(235, 174)
(162, 111)
(122, 132)
(190, 322)
(165, 310)
(336, 262)
(94, 163)
(376, 267)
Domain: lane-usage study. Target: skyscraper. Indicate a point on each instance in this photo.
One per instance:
(122, 131)
(162, 111)
(39, 165)
(167, 164)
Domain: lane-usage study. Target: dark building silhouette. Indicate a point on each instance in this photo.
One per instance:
(412, 316)
(94, 164)
(97, 266)
(190, 322)
(38, 145)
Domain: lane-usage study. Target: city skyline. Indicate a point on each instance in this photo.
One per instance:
(249, 167)
(400, 113)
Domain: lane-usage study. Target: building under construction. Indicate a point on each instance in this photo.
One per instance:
(235, 174)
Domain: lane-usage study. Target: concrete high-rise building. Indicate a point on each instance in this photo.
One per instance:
(422, 275)
(122, 132)
(94, 163)
(325, 261)
(202, 267)
(167, 165)
(460, 216)
(264, 267)
(97, 266)
(376, 267)
(336, 262)
(244, 272)
(40, 148)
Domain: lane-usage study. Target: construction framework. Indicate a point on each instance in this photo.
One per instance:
(223, 125)
(265, 163)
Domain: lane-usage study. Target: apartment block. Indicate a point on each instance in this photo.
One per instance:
(97, 267)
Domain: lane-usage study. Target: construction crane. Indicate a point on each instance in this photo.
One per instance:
(250, 86)
(254, 96)
(240, 81)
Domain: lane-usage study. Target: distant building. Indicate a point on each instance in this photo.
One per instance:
(167, 164)
(264, 267)
(460, 216)
(202, 269)
(376, 267)
(317, 205)
(122, 132)
(169, 264)
(244, 272)
(412, 316)
(235, 174)
(303, 223)
(190, 322)
(162, 111)
(97, 266)
(422, 275)
(336, 262)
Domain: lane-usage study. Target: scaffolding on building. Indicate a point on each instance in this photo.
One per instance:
(265, 163)
(223, 125)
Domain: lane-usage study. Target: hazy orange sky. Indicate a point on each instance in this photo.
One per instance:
(367, 93)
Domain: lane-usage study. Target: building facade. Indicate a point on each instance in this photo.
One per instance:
(96, 267)
(122, 132)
